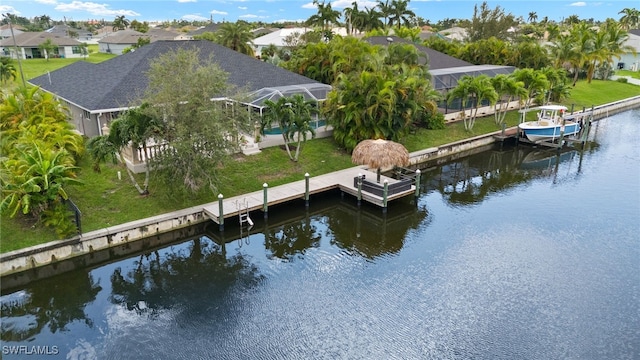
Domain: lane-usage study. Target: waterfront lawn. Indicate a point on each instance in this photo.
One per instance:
(599, 92)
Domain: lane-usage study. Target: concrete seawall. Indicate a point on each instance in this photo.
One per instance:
(175, 225)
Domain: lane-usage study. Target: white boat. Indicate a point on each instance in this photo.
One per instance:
(550, 125)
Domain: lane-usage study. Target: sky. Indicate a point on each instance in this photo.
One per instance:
(272, 11)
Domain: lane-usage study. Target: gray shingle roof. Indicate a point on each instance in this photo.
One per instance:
(437, 60)
(34, 39)
(118, 82)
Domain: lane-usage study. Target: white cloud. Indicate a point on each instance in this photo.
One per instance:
(341, 4)
(216, 12)
(194, 17)
(4, 9)
(242, 7)
(47, 2)
(187, 1)
(579, 3)
(248, 16)
(309, 6)
(93, 9)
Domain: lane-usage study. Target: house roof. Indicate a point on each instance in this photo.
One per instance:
(212, 27)
(118, 82)
(436, 59)
(130, 37)
(277, 37)
(34, 39)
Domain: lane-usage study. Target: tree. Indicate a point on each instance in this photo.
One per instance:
(630, 18)
(380, 100)
(371, 19)
(47, 47)
(133, 128)
(7, 70)
(507, 88)
(324, 18)
(236, 36)
(120, 23)
(399, 14)
(386, 11)
(533, 17)
(535, 82)
(486, 23)
(142, 27)
(477, 90)
(199, 134)
(293, 116)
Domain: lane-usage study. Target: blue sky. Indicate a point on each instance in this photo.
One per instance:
(294, 10)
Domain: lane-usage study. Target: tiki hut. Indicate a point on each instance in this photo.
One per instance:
(378, 154)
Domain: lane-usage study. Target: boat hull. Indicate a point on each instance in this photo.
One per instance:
(536, 133)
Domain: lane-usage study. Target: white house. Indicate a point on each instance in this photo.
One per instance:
(29, 46)
(629, 60)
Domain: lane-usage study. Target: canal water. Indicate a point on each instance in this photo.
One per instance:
(512, 253)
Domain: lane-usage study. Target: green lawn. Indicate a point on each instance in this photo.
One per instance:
(633, 74)
(105, 200)
(35, 67)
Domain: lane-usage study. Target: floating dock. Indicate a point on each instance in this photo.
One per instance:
(343, 180)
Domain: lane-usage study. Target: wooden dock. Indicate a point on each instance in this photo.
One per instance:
(342, 180)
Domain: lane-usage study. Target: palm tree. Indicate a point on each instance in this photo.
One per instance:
(133, 128)
(324, 17)
(507, 87)
(236, 36)
(371, 19)
(535, 82)
(34, 179)
(630, 18)
(385, 11)
(7, 70)
(533, 17)
(293, 117)
(120, 23)
(477, 89)
(400, 14)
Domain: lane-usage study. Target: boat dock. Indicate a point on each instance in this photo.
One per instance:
(344, 180)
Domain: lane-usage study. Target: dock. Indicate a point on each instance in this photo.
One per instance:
(343, 180)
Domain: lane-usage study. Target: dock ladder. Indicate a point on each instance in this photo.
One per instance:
(243, 216)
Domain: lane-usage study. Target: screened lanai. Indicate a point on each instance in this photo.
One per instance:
(447, 78)
(313, 91)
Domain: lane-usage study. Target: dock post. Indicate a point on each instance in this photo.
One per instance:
(359, 188)
(385, 194)
(306, 189)
(418, 173)
(265, 206)
(220, 212)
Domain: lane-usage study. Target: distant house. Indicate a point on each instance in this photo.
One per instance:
(116, 42)
(97, 93)
(278, 38)
(68, 31)
(455, 33)
(29, 46)
(5, 31)
(445, 70)
(629, 60)
(213, 27)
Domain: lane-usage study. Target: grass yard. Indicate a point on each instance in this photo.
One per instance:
(633, 74)
(104, 200)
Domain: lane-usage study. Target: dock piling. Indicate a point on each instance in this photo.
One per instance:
(306, 189)
(265, 206)
(359, 188)
(418, 173)
(385, 194)
(220, 212)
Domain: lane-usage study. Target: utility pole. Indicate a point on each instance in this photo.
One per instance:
(15, 45)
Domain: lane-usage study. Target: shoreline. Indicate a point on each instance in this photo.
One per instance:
(137, 235)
